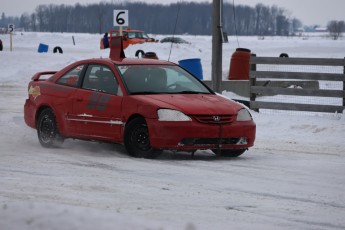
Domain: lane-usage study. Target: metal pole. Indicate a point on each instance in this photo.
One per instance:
(344, 85)
(11, 41)
(216, 46)
(252, 82)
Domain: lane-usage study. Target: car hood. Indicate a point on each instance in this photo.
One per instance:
(193, 103)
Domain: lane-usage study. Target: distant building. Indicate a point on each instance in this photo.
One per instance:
(300, 30)
(320, 29)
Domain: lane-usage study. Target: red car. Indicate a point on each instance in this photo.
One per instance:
(147, 105)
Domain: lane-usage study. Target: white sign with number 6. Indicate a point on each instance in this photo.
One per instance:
(120, 17)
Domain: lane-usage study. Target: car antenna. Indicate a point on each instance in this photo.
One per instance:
(178, 12)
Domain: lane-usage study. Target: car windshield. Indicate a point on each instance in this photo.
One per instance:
(131, 34)
(137, 35)
(160, 79)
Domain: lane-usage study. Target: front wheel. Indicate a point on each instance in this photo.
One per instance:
(47, 130)
(229, 152)
(137, 140)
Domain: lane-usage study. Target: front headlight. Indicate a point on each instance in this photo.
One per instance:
(172, 115)
(243, 115)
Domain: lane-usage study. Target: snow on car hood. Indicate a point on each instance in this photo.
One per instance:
(194, 103)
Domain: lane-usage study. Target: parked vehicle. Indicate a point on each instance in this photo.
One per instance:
(130, 37)
(177, 40)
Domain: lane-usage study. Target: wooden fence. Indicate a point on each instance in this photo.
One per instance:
(258, 89)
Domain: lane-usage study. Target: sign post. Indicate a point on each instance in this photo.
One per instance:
(11, 29)
(216, 46)
(120, 19)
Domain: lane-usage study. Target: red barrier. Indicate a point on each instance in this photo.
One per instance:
(239, 64)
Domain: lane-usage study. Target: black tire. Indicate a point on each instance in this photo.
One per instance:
(141, 52)
(229, 152)
(284, 55)
(243, 49)
(137, 140)
(57, 49)
(47, 130)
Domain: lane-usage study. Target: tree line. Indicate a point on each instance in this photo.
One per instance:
(190, 18)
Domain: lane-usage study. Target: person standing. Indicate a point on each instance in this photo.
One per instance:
(105, 41)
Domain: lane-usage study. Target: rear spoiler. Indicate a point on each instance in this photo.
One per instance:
(37, 76)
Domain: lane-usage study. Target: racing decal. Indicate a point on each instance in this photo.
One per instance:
(34, 91)
(98, 101)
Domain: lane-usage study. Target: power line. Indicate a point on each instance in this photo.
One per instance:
(234, 13)
(178, 12)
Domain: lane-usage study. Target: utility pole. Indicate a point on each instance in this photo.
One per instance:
(216, 46)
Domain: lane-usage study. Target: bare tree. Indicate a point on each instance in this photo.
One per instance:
(25, 21)
(259, 8)
(193, 18)
(33, 22)
(296, 24)
(41, 15)
(2, 17)
(100, 15)
(336, 28)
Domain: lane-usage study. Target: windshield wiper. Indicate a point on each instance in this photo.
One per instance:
(180, 92)
(190, 92)
(145, 92)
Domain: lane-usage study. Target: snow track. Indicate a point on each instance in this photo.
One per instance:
(84, 183)
(293, 178)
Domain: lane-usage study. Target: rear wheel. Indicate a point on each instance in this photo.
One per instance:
(47, 130)
(137, 140)
(229, 152)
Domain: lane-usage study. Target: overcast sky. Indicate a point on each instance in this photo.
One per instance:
(310, 12)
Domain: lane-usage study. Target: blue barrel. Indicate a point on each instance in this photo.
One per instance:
(193, 65)
(42, 48)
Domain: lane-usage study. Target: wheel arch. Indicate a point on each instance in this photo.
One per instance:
(137, 138)
(41, 109)
(132, 117)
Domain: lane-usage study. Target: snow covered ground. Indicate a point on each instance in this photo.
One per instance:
(293, 178)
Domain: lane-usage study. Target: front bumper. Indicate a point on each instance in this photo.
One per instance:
(193, 135)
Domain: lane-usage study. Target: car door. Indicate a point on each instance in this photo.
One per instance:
(62, 94)
(97, 105)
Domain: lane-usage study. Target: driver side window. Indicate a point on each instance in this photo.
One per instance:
(100, 78)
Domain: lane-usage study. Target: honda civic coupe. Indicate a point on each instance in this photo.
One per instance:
(147, 105)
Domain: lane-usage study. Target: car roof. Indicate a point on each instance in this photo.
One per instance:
(129, 30)
(141, 61)
(126, 61)
(123, 61)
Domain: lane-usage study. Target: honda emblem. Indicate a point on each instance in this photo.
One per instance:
(216, 118)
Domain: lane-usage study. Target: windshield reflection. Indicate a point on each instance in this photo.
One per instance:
(159, 79)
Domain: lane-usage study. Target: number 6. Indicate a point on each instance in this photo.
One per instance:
(119, 20)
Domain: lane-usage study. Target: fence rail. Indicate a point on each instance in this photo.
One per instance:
(258, 90)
